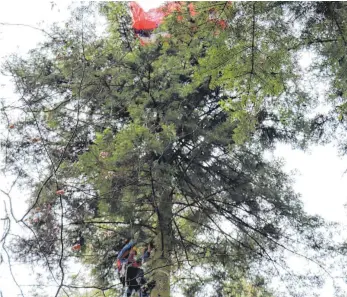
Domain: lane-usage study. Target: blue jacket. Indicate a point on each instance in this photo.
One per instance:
(127, 247)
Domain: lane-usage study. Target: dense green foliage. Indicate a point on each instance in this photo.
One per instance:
(166, 142)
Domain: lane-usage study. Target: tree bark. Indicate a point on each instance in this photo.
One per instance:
(161, 261)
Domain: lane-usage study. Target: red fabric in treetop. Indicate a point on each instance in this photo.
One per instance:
(192, 9)
(151, 19)
(145, 20)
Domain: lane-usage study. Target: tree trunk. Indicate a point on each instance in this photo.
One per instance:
(161, 261)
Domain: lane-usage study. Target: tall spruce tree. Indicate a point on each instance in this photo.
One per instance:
(166, 143)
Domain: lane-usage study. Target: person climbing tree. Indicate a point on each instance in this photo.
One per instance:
(129, 271)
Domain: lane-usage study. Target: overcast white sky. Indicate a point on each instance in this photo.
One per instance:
(320, 177)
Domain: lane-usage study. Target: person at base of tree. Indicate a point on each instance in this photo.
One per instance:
(130, 273)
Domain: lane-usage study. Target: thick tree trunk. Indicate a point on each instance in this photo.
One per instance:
(161, 261)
